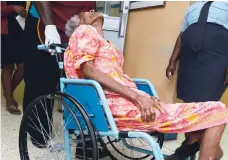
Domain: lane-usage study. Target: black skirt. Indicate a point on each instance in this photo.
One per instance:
(13, 44)
(201, 72)
(12, 49)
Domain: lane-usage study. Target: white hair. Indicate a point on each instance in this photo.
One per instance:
(71, 25)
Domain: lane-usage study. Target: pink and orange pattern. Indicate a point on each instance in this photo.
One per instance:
(87, 45)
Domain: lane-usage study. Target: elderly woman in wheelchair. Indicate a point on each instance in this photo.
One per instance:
(90, 56)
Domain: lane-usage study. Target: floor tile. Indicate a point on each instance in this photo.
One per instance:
(10, 130)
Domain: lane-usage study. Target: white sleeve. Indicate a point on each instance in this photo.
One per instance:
(185, 24)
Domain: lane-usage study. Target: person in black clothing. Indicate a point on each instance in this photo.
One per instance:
(45, 23)
(12, 49)
(202, 51)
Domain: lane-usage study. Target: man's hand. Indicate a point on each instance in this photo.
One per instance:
(226, 77)
(170, 70)
(20, 10)
(51, 36)
(47, 17)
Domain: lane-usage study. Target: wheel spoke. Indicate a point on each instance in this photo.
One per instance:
(117, 150)
(52, 133)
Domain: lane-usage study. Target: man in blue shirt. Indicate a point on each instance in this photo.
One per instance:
(202, 52)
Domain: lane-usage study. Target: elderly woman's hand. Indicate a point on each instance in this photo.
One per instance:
(146, 106)
(157, 104)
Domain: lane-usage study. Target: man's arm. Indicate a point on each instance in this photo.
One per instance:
(170, 70)
(47, 17)
(6, 10)
(176, 52)
(45, 12)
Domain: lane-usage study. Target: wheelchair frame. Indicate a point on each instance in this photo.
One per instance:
(113, 131)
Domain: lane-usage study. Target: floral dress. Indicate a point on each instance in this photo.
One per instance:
(86, 45)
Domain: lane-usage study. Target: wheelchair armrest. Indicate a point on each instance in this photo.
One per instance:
(99, 89)
(147, 83)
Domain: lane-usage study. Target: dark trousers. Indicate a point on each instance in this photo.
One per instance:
(41, 73)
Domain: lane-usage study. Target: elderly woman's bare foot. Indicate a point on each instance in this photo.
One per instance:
(219, 153)
(210, 145)
(217, 156)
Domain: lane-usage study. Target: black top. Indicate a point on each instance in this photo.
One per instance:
(13, 26)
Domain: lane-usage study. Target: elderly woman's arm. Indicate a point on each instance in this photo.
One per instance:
(107, 82)
(145, 104)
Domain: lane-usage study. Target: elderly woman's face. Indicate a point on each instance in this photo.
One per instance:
(90, 17)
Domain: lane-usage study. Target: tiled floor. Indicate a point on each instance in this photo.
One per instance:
(10, 128)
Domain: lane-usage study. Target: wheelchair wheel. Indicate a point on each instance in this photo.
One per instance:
(45, 132)
(117, 150)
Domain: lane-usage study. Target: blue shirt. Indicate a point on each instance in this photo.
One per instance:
(218, 14)
(33, 11)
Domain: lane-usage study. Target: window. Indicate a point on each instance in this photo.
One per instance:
(109, 8)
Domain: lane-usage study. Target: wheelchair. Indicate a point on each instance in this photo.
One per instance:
(85, 128)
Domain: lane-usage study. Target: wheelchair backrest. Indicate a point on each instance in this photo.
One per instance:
(88, 97)
(144, 87)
